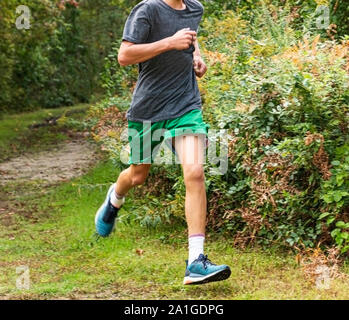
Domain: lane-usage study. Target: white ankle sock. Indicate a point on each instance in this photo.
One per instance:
(196, 246)
(116, 200)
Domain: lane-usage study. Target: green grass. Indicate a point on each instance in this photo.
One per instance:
(16, 137)
(67, 260)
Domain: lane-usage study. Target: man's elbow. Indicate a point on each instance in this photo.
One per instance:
(122, 60)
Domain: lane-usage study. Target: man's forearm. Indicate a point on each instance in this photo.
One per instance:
(137, 53)
(197, 49)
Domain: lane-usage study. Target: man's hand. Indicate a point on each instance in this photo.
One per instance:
(182, 39)
(200, 67)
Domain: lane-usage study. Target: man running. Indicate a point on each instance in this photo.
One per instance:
(160, 36)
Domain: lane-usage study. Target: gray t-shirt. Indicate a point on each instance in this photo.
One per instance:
(166, 86)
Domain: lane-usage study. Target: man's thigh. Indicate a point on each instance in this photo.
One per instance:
(190, 148)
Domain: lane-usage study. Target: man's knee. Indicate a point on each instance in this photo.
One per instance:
(194, 174)
(138, 179)
(139, 175)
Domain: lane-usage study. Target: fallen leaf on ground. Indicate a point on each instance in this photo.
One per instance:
(139, 252)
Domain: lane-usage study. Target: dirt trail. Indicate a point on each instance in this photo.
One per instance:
(66, 161)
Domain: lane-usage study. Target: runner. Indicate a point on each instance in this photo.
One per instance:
(161, 37)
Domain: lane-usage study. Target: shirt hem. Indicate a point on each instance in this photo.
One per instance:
(164, 119)
(133, 40)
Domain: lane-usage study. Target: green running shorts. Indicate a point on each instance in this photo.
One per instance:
(146, 137)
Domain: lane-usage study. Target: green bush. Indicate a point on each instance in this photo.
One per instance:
(286, 108)
(340, 16)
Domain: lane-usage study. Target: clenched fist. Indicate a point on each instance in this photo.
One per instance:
(200, 67)
(182, 39)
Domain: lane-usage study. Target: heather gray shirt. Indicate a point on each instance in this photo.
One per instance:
(166, 86)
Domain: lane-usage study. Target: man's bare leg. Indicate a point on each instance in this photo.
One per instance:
(107, 213)
(200, 269)
(190, 150)
(133, 176)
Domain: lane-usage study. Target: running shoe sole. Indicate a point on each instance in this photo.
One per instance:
(217, 276)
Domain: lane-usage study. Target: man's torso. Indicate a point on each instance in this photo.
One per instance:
(166, 87)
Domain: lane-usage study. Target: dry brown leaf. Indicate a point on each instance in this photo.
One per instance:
(140, 252)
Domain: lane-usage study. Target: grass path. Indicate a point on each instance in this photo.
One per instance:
(16, 138)
(53, 235)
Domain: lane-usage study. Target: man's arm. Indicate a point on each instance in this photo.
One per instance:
(197, 52)
(200, 67)
(131, 53)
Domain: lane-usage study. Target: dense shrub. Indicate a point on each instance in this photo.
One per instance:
(286, 108)
(340, 16)
(6, 51)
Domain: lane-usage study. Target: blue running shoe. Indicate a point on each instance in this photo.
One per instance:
(106, 215)
(202, 270)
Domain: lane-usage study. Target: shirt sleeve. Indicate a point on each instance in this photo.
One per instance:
(137, 27)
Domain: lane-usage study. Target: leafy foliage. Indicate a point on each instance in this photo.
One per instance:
(284, 101)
